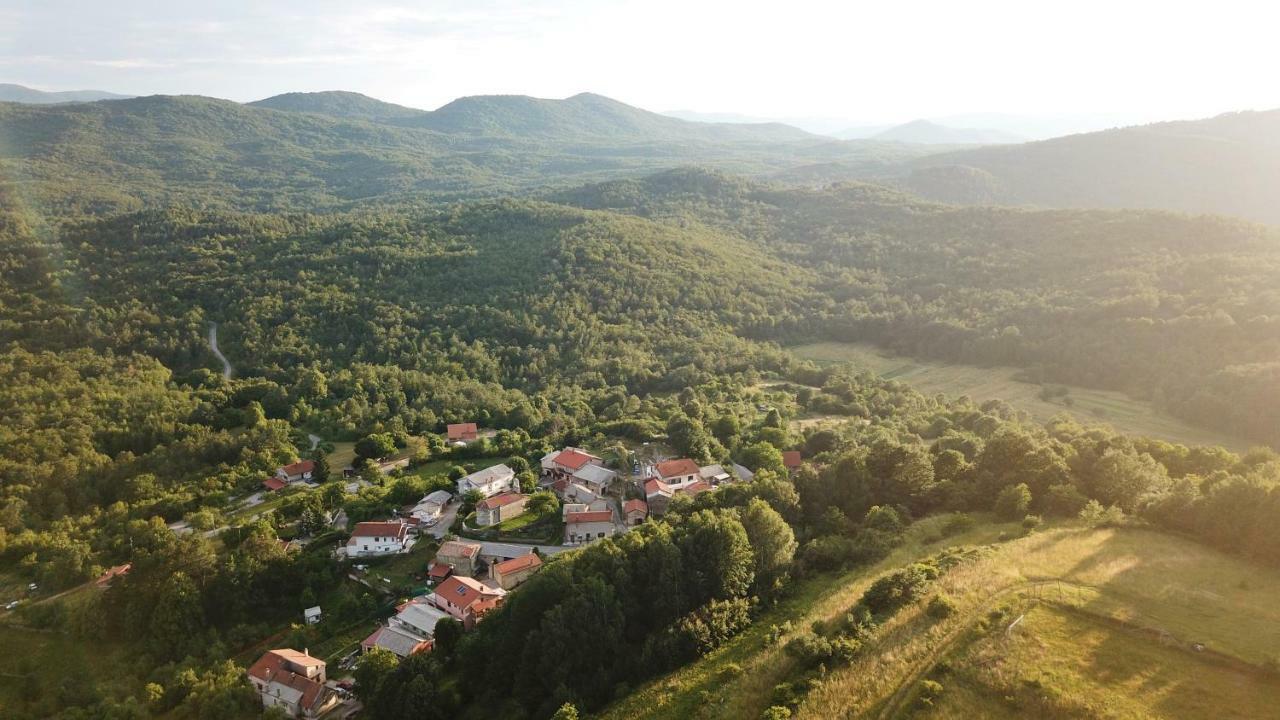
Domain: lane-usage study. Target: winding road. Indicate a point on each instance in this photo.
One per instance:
(213, 345)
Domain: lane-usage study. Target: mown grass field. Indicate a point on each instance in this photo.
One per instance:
(1145, 578)
(1059, 664)
(998, 383)
(737, 679)
(1150, 580)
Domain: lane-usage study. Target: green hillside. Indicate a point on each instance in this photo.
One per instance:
(327, 151)
(1228, 165)
(1172, 309)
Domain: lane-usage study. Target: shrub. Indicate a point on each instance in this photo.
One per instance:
(957, 524)
(1094, 515)
(941, 606)
(1012, 502)
(898, 588)
(1031, 522)
(776, 712)
(809, 649)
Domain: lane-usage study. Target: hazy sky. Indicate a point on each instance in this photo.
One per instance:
(875, 61)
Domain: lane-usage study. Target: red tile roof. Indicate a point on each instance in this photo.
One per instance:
(588, 516)
(791, 459)
(299, 468)
(463, 592)
(274, 483)
(271, 667)
(697, 487)
(440, 571)
(677, 468)
(654, 487)
(395, 529)
(113, 573)
(517, 564)
(500, 500)
(453, 547)
(574, 459)
(462, 431)
(631, 506)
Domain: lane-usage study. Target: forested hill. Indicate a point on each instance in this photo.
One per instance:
(1181, 310)
(1228, 164)
(337, 103)
(335, 150)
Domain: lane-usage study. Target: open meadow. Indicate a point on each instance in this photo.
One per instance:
(1136, 417)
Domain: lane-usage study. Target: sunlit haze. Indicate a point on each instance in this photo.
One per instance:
(862, 61)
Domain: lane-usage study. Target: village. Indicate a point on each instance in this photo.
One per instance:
(463, 576)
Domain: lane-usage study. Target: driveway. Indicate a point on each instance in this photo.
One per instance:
(441, 528)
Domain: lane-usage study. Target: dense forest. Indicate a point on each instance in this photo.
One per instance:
(1183, 311)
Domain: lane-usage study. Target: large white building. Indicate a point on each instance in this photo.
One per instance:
(490, 481)
(379, 538)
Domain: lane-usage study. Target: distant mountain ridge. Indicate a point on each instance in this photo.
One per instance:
(926, 132)
(1228, 164)
(338, 103)
(581, 116)
(10, 92)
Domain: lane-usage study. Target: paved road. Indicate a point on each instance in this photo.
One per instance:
(213, 345)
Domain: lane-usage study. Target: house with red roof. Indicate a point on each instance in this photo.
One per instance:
(461, 557)
(274, 483)
(462, 432)
(466, 599)
(678, 473)
(791, 460)
(657, 496)
(510, 573)
(293, 681)
(296, 472)
(370, 539)
(500, 508)
(562, 464)
(635, 511)
(588, 526)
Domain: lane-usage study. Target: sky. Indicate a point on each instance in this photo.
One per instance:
(871, 62)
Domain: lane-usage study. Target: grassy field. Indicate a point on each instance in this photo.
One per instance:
(736, 680)
(1146, 579)
(1060, 664)
(1171, 586)
(999, 383)
(41, 672)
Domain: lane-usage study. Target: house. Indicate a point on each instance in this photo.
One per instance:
(500, 508)
(296, 472)
(460, 556)
(743, 473)
(700, 486)
(576, 493)
(635, 511)
(510, 573)
(274, 483)
(677, 474)
(466, 599)
(584, 527)
(595, 478)
(379, 538)
(791, 460)
(714, 474)
(439, 571)
(490, 481)
(657, 496)
(400, 642)
(293, 681)
(557, 465)
(462, 432)
(430, 508)
(418, 617)
(311, 615)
